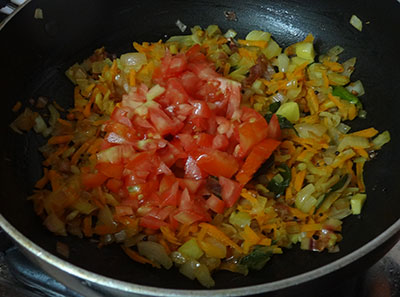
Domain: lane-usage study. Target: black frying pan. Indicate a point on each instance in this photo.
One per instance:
(35, 53)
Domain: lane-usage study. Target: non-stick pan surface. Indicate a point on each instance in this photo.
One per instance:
(35, 53)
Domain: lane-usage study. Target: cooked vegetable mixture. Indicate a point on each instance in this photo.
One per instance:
(205, 152)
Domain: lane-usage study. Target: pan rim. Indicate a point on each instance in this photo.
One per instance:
(123, 286)
(127, 287)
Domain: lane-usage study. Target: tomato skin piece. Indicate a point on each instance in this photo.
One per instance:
(230, 191)
(122, 115)
(217, 163)
(260, 153)
(191, 184)
(251, 133)
(170, 196)
(220, 142)
(93, 180)
(274, 129)
(111, 170)
(187, 217)
(203, 70)
(190, 82)
(205, 140)
(192, 170)
(151, 222)
(201, 109)
(175, 93)
(215, 204)
(177, 65)
(123, 210)
(114, 185)
(163, 123)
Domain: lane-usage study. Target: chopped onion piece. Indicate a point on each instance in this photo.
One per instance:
(40, 125)
(133, 61)
(203, 276)
(356, 88)
(356, 22)
(155, 252)
(349, 66)
(38, 14)
(343, 128)
(188, 268)
(306, 130)
(180, 25)
(304, 200)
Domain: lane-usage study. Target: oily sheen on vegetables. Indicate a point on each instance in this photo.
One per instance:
(205, 152)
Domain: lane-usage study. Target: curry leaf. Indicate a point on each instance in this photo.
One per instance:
(257, 259)
(281, 181)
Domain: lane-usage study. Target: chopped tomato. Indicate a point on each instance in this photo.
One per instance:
(191, 184)
(220, 142)
(217, 163)
(274, 129)
(187, 217)
(93, 180)
(123, 210)
(114, 185)
(251, 133)
(215, 204)
(171, 195)
(111, 170)
(230, 190)
(163, 123)
(190, 82)
(175, 93)
(260, 153)
(201, 109)
(204, 139)
(151, 222)
(192, 170)
(122, 115)
(177, 65)
(166, 183)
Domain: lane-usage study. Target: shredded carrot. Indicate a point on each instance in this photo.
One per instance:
(334, 66)
(368, 133)
(79, 152)
(325, 79)
(86, 111)
(17, 106)
(338, 103)
(362, 152)
(87, 226)
(60, 139)
(257, 43)
(55, 180)
(360, 177)
(132, 77)
(247, 53)
(64, 122)
(312, 101)
(169, 235)
(298, 183)
(41, 183)
(310, 227)
(227, 67)
(265, 241)
(218, 234)
(165, 245)
(352, 112)
(138, 258)
(58, 107)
